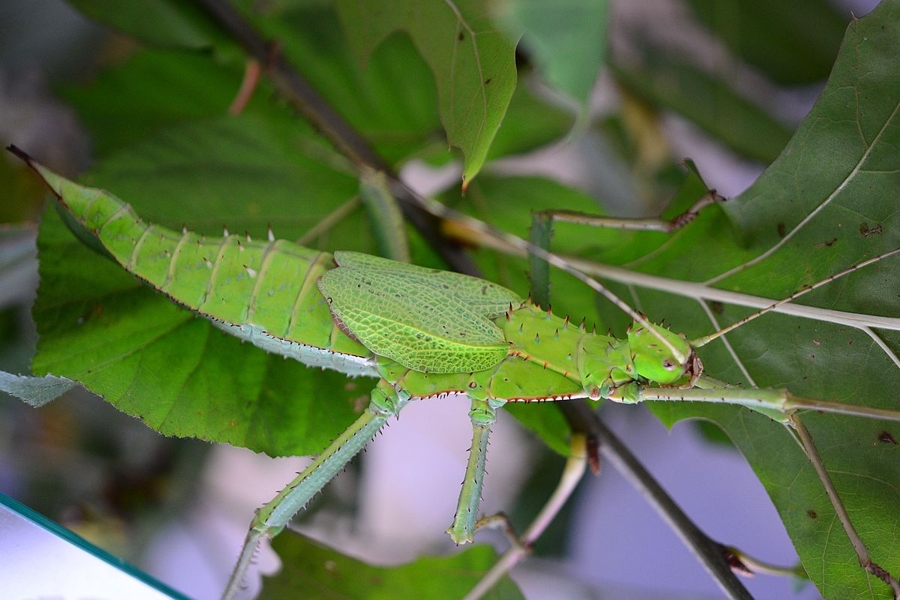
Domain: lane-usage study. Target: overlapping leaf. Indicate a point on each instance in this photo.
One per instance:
(827, 203)
(320, 572)
(472, 62)
(567, 41)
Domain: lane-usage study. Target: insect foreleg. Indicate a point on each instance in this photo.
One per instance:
(272, 518)
(777, 404)
(483, 415)
(782, 406)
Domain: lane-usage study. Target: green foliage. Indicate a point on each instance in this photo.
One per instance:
(827, 201)
(567, 44)
(472, 63)
(737, 122)
(165, 23)
(792, 43)
(320, 572)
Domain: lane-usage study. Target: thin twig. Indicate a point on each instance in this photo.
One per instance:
(710, 553)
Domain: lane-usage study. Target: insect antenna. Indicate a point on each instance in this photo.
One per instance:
(702, 341)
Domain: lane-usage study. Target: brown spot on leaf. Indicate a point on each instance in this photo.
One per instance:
(885, 437)
(812, 514)
(866, 231)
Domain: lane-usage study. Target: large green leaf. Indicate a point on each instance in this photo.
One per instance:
(828, 202)
(792, 42)
(472, 62)
(320, 572)
(153, 90)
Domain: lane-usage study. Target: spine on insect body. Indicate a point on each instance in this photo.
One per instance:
(263, 292)
(548, 358)
(599, 363)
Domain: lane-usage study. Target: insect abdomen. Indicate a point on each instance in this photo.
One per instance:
(263, 292)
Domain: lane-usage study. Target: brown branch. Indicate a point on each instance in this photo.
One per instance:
(711, 554)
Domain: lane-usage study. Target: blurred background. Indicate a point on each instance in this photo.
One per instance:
(178, 509)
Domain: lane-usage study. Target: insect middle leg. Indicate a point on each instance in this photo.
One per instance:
(483, 415)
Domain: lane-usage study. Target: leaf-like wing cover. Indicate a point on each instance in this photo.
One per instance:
(427, 320)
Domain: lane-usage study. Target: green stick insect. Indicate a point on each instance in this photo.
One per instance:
(422, 332)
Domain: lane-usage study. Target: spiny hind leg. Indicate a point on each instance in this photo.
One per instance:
(271, 519)
(581, 448)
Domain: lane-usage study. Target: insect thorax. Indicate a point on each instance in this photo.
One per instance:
(659, 355)
(598, 363)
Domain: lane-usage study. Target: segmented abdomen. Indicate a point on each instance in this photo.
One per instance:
(263, 292)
